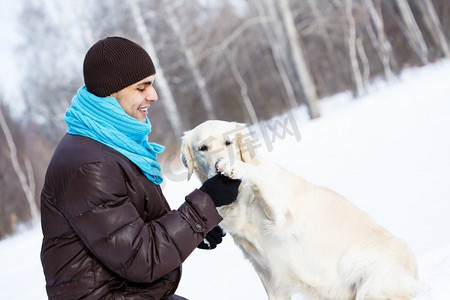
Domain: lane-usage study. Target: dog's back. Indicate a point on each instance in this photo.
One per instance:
(320, 243)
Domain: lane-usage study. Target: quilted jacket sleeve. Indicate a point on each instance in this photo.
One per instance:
(99, 209)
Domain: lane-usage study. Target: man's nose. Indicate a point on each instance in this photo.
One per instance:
(152, 96)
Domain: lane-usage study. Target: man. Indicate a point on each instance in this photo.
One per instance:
(108, 230)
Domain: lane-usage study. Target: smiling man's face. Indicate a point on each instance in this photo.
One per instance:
(135, 99)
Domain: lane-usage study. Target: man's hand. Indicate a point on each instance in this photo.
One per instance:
(212, 239)
(221, 189)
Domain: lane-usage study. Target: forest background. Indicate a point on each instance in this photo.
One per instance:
(245, 61)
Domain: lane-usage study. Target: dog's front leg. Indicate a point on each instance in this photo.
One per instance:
(270, 196)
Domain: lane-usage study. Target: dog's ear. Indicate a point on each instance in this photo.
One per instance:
(245, 142)
(186, 154)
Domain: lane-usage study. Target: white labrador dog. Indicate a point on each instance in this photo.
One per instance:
(299, 237)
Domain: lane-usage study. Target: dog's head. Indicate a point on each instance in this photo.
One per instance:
(203, 146)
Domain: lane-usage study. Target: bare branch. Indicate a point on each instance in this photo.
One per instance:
(26, 187)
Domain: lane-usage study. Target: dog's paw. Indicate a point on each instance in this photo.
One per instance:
(224, 167)
(232, 171)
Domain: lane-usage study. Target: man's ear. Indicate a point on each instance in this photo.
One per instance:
(186, 154)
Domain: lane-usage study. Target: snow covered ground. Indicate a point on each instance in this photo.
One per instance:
(387, 152)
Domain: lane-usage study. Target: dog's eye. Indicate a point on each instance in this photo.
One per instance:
(228, 143)
(203, 148)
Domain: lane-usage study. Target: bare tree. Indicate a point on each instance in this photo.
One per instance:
(163, 85)
(300, 62)
(26, 178)
(323, 22)
(434, 26)
(380, 42)
(232, 39)
(48, 53)
(274, 33)
(364, 62)
(321, 30)
(190, 59)
(274, 60)
(413, 32)
(352, 48)
(243, 87)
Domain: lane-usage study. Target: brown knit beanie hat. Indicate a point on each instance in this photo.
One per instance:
(114, 63)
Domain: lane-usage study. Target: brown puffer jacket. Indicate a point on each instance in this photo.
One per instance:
(109, 232)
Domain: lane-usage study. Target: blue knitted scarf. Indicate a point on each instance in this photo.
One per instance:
(104, 120)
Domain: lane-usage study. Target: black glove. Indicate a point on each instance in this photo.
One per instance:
(212, 238)
(221, 189)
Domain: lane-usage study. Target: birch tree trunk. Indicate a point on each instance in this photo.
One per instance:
(382, 46)
(275, 46)
(300, 63)
(365, 63)
(243, 87)
(191, 60)
(322, 30)
(26, 180)
(351, 40)
(414, 34)
(434, 26)
(169, 103)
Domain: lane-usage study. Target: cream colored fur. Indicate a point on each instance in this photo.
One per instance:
(299, 237)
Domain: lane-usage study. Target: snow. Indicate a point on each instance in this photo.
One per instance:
(388, 152)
